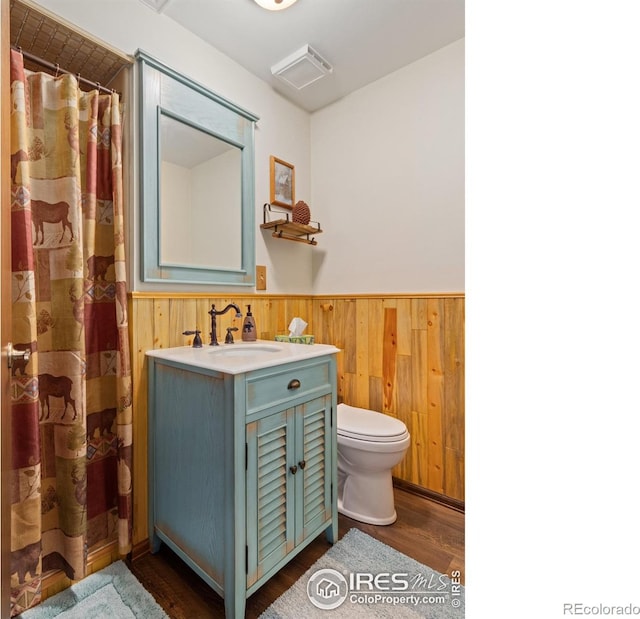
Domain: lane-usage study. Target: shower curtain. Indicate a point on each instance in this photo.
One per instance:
(71, 400)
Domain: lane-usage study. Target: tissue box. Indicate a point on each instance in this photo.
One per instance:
(296, 339)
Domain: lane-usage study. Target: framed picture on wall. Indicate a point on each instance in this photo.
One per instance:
(283, 183)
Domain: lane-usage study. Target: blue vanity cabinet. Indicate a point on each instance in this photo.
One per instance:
(242, 468)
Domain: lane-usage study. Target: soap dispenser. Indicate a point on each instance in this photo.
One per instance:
(249, 327)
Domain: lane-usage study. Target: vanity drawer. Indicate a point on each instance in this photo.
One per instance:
(278, 386)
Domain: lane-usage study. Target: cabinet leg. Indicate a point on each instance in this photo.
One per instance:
(234, 608)
(156, 542)
(331, 532)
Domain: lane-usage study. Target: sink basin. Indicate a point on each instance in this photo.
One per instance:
(242, 356)
(244, 350)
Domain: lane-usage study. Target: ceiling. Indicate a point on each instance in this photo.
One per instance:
(363, 40)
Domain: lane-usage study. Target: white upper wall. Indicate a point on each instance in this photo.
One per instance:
(283, 128)
(388, 182)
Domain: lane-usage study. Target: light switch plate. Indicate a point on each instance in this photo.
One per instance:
(261, 277)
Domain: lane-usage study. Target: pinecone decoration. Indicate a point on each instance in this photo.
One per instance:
(301, 213)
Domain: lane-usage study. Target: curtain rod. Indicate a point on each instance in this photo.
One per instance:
(54, 67)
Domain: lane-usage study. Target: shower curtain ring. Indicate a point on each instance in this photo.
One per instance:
(57, 69)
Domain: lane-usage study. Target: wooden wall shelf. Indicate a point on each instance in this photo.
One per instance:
(284, 228)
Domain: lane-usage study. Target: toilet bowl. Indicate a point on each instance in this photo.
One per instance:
(370, 444)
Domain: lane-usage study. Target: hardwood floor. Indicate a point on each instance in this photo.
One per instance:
(427, 531)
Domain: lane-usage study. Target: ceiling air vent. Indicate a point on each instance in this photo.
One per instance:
(302, 68)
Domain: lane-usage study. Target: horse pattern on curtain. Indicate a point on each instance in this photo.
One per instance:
(71, 401)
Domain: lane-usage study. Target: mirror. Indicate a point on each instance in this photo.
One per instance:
(200, 198)
(197, 165)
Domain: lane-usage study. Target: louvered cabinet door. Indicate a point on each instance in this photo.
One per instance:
(313, 458)
(270, 487)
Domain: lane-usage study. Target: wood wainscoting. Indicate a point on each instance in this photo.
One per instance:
(400, 354)
(404, 356)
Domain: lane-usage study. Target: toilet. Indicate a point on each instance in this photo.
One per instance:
(370, 444)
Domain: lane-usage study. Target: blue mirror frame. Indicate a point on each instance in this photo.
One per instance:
(165, 91)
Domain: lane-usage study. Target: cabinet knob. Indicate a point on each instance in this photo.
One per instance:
(293, 469)
(302, 464)
(294, 383)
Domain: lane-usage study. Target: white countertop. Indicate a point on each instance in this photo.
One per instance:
(241, 356)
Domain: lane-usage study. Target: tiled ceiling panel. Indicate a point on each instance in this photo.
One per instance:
(38, 33)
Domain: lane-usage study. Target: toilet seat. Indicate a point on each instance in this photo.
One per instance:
(366, 425)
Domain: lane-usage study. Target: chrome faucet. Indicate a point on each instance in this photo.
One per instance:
(213, 312)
